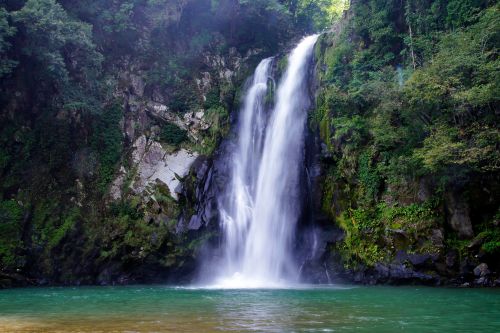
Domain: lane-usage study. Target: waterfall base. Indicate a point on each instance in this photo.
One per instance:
(240, 281)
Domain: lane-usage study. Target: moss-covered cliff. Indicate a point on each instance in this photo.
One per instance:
(105, 107)
(407, 109)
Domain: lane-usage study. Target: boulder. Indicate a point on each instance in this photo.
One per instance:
(481, 270)
(483, 281)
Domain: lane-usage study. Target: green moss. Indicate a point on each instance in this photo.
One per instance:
(336, 60)
(360, 244)
(168, 205)
(219, 119)
(213, 98)
(282, 65)
(325, 129)
(11, 215)
(369, 177)
(370, 235)
(459, 245)
(51, 224)
(129, 234)
(492, 247)
(491, 241)
(270, 93)
(328, 197)
(60, 232)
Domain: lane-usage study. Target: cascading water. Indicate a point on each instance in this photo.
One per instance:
(262, 205)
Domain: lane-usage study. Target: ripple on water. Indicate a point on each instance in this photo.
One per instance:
(310, 309)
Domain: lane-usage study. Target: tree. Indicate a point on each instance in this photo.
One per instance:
(6, 31)
(57, 43)
(316, 15)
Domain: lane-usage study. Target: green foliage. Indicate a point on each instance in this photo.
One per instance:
(493, 246)
(51, 225)
(316, 15)
(350, 131)
(63, 63)
(455, 89)
(172, 134)
(107, 141)
(11, 215)
(119, 20)
(360, 245)
(459, 245)
(440, 148)
(127, 235)
(455, 96)
(336, 59)
(126, 208)
(200, 42)
(463, 73)
(218, 118)
(6, 32)
(282, 65)
(213, 98)
(490, 236)
(168, 73)
(462, 12)
(370, 232)
(68, 223)
(408, 92)
(474, 149)
(369, 177)
(55, 41)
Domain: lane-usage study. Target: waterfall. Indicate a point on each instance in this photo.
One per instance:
(262, 204)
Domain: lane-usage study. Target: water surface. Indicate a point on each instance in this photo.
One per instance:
(319, 309)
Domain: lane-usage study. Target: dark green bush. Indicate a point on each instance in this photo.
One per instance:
(173, 134)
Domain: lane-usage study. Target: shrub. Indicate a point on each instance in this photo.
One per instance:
(173, 135)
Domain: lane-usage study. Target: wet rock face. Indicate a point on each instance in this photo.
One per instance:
(314, 256)
(154, 164)
(210, 179)
(194, 122)
(459, 215)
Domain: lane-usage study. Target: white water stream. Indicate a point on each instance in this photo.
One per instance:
(260, 216)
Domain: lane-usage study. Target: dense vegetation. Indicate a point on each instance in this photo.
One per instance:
(408, 108)
(75, 76)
